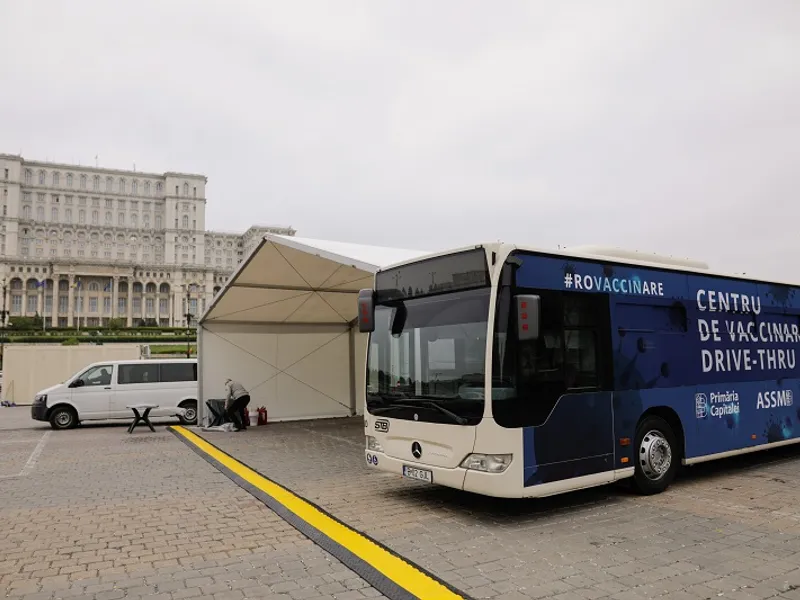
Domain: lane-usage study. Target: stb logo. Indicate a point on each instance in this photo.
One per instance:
(382, 425)
(700, 406)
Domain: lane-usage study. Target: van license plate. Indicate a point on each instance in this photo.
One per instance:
(418, 474)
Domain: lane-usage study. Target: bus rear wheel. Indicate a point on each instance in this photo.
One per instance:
(656, 456)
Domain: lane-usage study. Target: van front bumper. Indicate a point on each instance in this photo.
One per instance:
(39, 410)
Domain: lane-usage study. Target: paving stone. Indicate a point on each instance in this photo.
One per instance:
(86, 523)
(186, 531)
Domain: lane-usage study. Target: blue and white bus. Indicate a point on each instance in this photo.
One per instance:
(514, 372)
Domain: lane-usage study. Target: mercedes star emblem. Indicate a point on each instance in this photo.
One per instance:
(416, 450)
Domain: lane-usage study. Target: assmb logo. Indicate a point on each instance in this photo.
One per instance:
(700, 406)
(774, 399)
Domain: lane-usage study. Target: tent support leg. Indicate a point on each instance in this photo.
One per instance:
(201, 405)
(352, 343)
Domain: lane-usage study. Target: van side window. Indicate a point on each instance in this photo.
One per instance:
(138, 373)
(178, 372)
(99, 375)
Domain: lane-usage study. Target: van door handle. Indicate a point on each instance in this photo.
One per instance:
(107, 388)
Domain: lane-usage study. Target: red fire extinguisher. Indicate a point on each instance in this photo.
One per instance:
(262, 415)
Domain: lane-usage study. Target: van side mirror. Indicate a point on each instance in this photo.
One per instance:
(76, 383)
(366, 311)
(529, 317)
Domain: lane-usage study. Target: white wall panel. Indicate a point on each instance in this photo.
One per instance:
(296, 372)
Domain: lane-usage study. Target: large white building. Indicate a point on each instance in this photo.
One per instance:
(81, 245)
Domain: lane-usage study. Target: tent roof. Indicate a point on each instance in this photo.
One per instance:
(300, 280)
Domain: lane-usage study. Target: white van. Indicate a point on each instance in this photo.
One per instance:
(104, 390)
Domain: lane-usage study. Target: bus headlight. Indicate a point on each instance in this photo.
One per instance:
(373, 444)
(488, 463)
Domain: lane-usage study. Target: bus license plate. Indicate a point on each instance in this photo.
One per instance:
(418, 474)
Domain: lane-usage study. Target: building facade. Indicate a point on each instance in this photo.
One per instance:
(81, 246)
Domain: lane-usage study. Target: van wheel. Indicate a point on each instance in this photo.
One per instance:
(190, 416)
(63, 417)
(656, 456)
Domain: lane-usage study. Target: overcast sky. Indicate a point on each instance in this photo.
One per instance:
(668, 126)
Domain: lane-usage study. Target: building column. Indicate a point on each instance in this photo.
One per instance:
(71, 302)
(171, 308)
(7, 303)
(114, 296)
(54, 305)
(40, 301)
(129, 304)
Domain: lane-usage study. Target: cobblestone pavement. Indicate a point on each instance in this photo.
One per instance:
(729, 529)
(101, 514)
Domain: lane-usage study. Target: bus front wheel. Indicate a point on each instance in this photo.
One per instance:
(656, 456)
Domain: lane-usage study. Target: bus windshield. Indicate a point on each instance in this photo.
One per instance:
(426, 358)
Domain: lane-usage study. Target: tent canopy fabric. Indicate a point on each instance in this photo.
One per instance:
(290, 280)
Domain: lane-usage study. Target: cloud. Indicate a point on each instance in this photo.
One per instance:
(666, 127)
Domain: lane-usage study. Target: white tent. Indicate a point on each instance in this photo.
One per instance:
(285, 327)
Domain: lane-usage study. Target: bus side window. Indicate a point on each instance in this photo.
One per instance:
(583, 317)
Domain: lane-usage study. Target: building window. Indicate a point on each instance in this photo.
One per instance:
(185, 221)
(40, 197)
(56, 179)
(28, 176)
(96, 183)
(137, 304)
(121, 186)
(135, 187)
(40, 213)
(92, 304)
(158, 221)
(69, 180)
(159, 188)
(109, 184)
(146, 188)
(68, 215)
(32, 304)
(67, 199)
(107, 306)
(83, 182)
(54, 214)
(82, 200)
(81, 217)
(146, 221)
(26, 212)
(42, 177)
(109, 203)
(109, 218)
(134, 220)
(150, 305)
(95, 217)
(63, 304)
(121, 219)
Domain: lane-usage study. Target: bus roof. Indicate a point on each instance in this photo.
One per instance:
(600, 253)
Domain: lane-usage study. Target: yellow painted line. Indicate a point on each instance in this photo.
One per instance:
(391, 566)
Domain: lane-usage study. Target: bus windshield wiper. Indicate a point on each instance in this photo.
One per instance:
(423, 404)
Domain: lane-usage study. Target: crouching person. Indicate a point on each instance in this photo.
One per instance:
(236, 400)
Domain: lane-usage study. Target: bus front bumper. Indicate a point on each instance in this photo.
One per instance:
(419, 472)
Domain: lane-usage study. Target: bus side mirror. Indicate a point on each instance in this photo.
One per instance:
(366, 311)
(529, 317)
